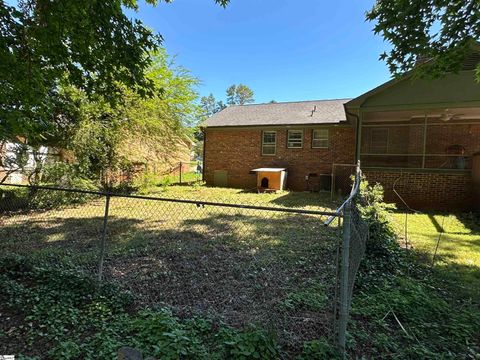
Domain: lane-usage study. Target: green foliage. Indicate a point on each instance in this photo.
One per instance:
(66, 175)
(319, 350)
(77, 318)
(13, 199)
(107, 138)
(440, 30)
(210, 105)
(91, 45)
(54, 174)
(63, 175)
(239, 95)
(145, 182)
(16, 162)
(382, 249)
(412, 319)
(251, 344)
(312, 298)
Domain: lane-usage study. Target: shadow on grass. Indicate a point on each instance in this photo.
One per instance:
(238, 268)
(302, 199)
(461, 278)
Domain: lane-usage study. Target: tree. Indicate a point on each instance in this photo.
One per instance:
(210, 105)
(139, 131)
(91, 45)
(419, 30)
(239, 95)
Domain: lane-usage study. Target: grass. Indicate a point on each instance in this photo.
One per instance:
(301, 200)
(402, 307)
(457, 263)
(235, 266)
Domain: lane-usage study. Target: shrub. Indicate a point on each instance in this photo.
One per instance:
(145, 181)
(382, 247)
(62, 175)
(13, 199)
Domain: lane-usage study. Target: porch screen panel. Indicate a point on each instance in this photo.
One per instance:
(392, 145)
(451, 144)
(430, 144)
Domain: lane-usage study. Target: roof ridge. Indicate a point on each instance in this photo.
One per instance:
(291, 102)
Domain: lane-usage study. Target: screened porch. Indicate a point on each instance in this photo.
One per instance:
(445, 139)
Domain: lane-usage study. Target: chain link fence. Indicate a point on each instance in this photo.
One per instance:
(342, 179)
(263, 263)
(351, 250)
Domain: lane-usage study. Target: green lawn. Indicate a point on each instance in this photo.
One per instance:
(458, 256)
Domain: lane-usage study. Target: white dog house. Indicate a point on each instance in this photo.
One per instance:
(269, 179)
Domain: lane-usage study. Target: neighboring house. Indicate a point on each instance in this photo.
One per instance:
(14, 170)
(416, 137)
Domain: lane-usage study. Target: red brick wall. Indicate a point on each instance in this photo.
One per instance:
(426, 190)
(240, 150)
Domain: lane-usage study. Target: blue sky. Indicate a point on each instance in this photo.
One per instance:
(285, 50)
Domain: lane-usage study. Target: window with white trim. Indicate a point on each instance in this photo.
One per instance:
(320, 138)
(269, 142)
(295, 139)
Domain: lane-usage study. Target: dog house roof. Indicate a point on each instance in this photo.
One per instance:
(269, 169)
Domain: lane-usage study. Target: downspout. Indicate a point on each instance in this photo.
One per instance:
(357, 134)
(204, 131)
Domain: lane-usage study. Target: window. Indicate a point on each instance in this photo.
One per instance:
(269, 142)
(320, 139)
(379, 141)
(295, 139)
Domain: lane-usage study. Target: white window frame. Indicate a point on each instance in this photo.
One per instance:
(321, 138)
(269, 144)
(292, 131)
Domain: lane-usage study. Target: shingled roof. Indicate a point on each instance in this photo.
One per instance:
(285, 113)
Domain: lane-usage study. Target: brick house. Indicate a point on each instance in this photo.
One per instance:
(419, 138)
(305, 137)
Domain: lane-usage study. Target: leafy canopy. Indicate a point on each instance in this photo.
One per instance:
(236, 95)
(89, 44)
(440, 30)
(210, 105)
(151, 130)
(239, 95)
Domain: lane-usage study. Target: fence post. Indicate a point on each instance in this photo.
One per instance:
(344, 301)
(180, 172)
(103, 239)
